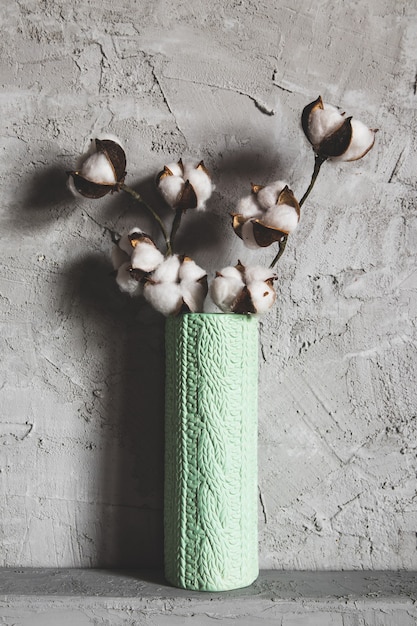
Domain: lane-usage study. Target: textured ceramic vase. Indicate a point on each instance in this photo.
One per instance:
(211, 539)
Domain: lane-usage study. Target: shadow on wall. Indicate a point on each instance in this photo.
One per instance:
(131, 421)
(127, 464)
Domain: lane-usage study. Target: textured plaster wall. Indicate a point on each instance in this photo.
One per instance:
(82, 368)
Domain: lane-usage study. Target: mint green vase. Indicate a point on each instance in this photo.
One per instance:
(210, 515)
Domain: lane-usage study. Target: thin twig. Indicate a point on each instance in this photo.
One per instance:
(318, 162)
(175, 226)
(282, 244)
(156, 217)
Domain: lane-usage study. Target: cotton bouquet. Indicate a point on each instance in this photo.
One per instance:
(266, 216)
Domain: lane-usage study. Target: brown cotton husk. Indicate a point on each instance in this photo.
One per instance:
(266, 235)
(237, 222)
(137, 274)
(307, 111)
(338, 142)
(89, 189)
(256, 188)
(136, 238)
(243, 303)
(240, 267)
(204, 282)
(287, 197)
(116, 156)
(188, 198)
(203, 168)
(167, 172)
(117, 160)
(335, 144)
(163, 174)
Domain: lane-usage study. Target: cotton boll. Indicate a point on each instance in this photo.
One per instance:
(170, 187)
(363, 139)
(263, 296)
(281, 217)
(232, 273)
(323, 122)
(248, 237)
(189, 270)
(226, 287)
(98, 169)
(119, 257)
(248, 207)
(164, 297)
(124, 242)
(258, 273)
(176, 169)
(126, 282)
(168, 271)
(268, 196)
(193, 294)
(201, 184)
(146, 257)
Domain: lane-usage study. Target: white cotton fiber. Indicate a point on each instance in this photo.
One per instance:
(362, 140)
(146, 257)
(281, 217)
(201, 184)
(124, 241)
(323, 122)
(189, 270)
(176, 169)
(248, 237)
(268, 196)
(257, 273)
(263, 296)
(226, 287)
(126, 282)
(193, 293)
(232, 273)
(248, 206)
(170, 187)
(98, 169)
(168, 271)
(164, 297)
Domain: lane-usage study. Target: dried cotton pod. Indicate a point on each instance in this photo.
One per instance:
(177, 285)
(226, 287)
(278, 215)
(164, 297)
(243, 289)
(102, 172)
(333, 135)
(185, 186)
(145, 255)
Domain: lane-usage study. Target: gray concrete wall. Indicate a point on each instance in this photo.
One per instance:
(81, 401)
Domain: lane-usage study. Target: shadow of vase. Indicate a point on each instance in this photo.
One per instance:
(130, 433)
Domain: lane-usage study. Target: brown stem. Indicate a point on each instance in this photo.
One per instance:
(175, 226)
(282, 244)
(318, 162)
(156, 217)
